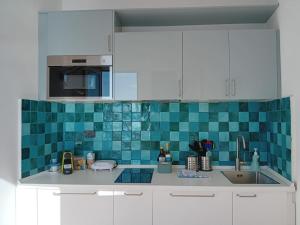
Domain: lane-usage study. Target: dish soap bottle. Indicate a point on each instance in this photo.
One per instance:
(255, 162)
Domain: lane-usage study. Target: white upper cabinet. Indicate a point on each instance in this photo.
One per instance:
(205, 65)
(125, 86)
(253, 64)
(156, 58)
(240, 64)
(167, 65)
(80, 32)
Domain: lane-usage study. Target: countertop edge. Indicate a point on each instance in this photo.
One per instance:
(286, 185)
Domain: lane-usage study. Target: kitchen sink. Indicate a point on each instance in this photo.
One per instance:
(248, 177)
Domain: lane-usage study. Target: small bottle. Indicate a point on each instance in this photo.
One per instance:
(54, 166)
(67, 163)
(162, 155)
(168, 154)
(255, 162)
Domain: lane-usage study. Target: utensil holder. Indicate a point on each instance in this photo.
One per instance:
(205, 163)
(192, 163)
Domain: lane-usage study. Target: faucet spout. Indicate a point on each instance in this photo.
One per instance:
(237, 160)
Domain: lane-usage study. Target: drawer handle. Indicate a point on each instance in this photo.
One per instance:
(66, 193)
(133, 194)
(193, 196)
(247, 196)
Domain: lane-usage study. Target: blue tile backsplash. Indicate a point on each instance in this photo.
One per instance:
(42, 135)
(279, 136)
(132, 132)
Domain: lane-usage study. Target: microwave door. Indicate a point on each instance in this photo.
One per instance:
(79, 76)
(75, 84)
(106, 81)
(66, 82)
(92, 84)
(83, 81)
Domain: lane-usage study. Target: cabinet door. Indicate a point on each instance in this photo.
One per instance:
(125, 86)
(156, 58)
(133, 208)
(193, 208)
(26, 206)
(75, 207)
(205, 65)
(259, 208)
(49, 208)
(253, 64)
(80, 32)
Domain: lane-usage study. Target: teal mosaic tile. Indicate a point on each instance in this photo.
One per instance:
(132, 132)
(42, 135)
(213, 126)
(278, 122)
(203, 107)
(126, 136)
(70, 107)
(224, 156)
(174, 107)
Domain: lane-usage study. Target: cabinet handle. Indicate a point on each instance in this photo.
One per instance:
(109, 43)
(133, 194)
(227, 87)
(233, 87)
(179, 88)
(246, 196)
(59, 194)
(193, 196)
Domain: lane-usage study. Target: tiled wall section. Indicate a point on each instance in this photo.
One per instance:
(279, 136)
(132, 132)
(42, 135)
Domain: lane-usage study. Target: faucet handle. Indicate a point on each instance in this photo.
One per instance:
(239, 164)
(243, 163)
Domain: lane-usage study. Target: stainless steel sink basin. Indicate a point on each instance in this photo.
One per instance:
(248, 177)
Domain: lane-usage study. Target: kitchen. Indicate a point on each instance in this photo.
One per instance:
(191, 104)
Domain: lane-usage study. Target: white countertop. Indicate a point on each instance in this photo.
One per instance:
(105, 179)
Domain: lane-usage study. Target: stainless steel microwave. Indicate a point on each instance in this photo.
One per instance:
(82, 77)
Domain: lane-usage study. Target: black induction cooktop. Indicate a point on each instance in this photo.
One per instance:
(135, 175)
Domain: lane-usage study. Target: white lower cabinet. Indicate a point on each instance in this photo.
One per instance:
(48, 207)
(260, 208)
(192, 208)
(133, 207)
(75, 207)
(26, 206)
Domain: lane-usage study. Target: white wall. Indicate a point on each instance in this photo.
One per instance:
(287, 19)
(131, 4)
(18, 79)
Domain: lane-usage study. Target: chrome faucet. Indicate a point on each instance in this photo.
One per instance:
(237, 160)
